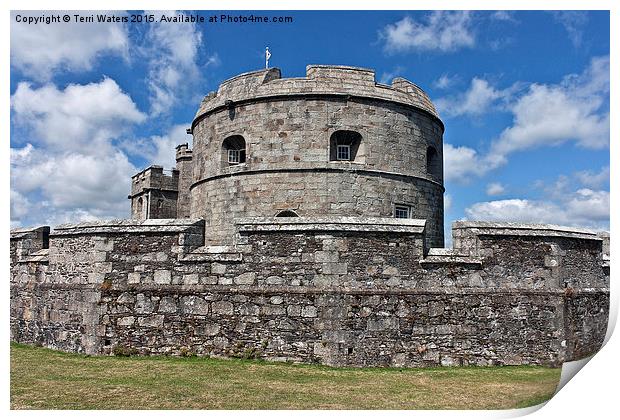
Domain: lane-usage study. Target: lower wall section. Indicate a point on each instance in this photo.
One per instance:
(330, 327)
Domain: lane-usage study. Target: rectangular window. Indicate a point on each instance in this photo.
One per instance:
(343, 152)
(402, 212)
(234, 157)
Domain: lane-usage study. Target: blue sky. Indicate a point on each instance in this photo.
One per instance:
(524, 97)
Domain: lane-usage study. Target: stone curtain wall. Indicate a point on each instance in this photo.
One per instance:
(338, 291)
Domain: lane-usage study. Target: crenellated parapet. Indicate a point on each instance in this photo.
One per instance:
(321, 80)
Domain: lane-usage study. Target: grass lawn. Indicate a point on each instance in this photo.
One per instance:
(47, 379)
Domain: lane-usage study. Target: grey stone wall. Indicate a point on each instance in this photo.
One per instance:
(338, 291)
(287, 125)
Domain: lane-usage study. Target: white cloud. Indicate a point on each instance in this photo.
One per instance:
(160, 150)
(71, 168)
(495, 188)
(19, 207)
(573, 21)
(172, 61)
(475, 101)
(444, 81)
(575, 110)
(461, 163)
(584, 207)
(441, 30)
(69, 184)
(388, 76)
(592, 179)
(78, 117)
(447, 202)
(503, 16)
(39, 50)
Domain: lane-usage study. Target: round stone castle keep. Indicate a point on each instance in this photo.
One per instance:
(333, 143)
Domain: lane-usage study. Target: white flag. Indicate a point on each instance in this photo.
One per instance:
(267, 53)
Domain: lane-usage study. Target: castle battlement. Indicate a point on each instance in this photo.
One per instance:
(331, 80)
(154, 177)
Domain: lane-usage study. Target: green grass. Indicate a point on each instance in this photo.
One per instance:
(47, 379)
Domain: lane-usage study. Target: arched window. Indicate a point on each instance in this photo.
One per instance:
(287, 213)
(233, 150)
(344, 145)
(432, 161)
(139, 207)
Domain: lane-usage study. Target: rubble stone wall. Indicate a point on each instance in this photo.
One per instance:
(333, 290)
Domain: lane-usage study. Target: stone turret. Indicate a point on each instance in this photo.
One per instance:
(154, 193)
(185, 167)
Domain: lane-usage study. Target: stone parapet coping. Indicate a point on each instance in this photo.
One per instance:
(521, 229)
(24, 232)
(129, 226)
(331, 224)
(319, 80)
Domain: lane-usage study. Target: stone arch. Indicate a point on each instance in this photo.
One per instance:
(287, 213)
(345, 145)
(233, 150)
(139, 207)
(433, 166)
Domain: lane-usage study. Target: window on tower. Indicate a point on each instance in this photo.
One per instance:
(233, 150)
(344, 145)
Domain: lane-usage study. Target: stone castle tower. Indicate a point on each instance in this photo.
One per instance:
(334, 143)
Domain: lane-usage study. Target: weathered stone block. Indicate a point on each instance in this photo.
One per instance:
(222, 308)
(126, 298)
(167, 305)
(151, 321)
(162, 277)
(245, 278)
(217, 268)
(272, 280)
(309, 312)
(276, 300)
(334, 268)
(194, 305)
(190, 278)
(95, 278)
(126, 321)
